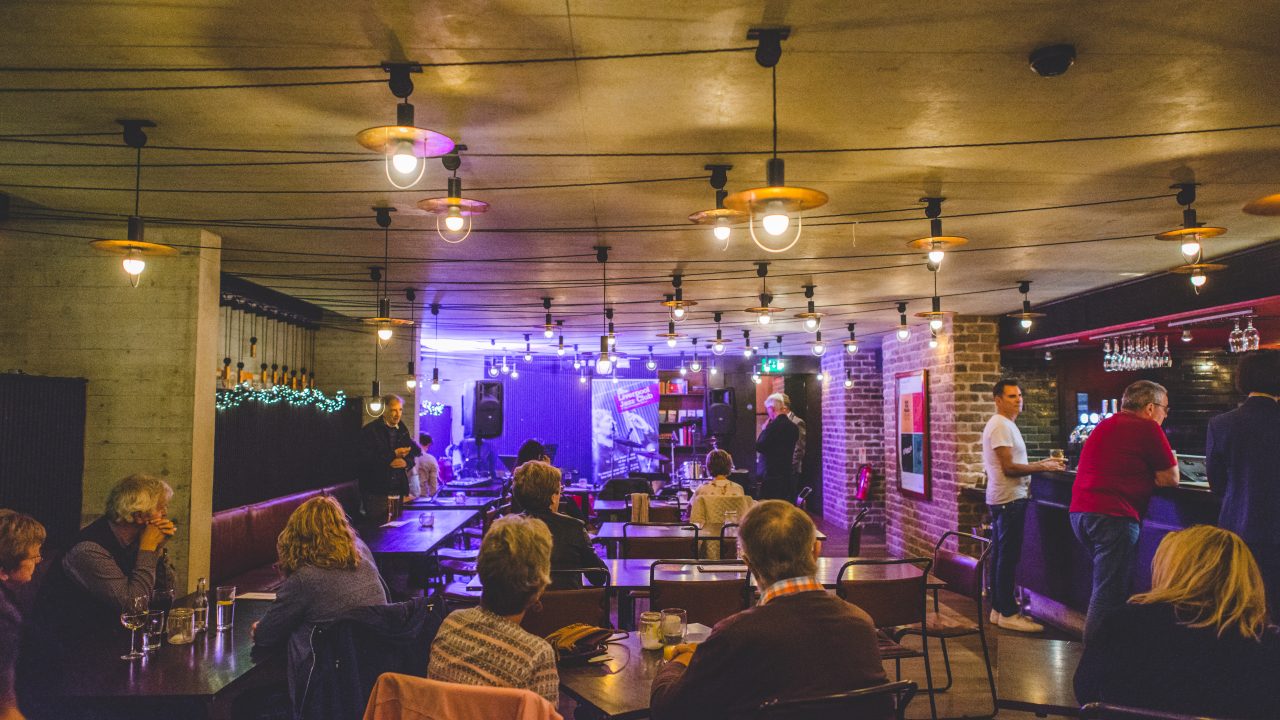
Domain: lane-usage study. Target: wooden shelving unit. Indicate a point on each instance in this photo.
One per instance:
(682, 415)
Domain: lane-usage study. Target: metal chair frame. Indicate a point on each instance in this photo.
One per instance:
(746, 585)
(606, 588)
(1104, 711)
(622, 551)
(902, 692)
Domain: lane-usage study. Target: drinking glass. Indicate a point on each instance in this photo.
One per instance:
(131, 616)
(181, 627)
(675, 622)
(426, 520)
(1252, 340)
(459, 498)
(152, 630)
(161, 601)
(225, 610)
(1235, 341)
(650, 630)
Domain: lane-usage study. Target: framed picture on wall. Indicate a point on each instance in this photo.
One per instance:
(912, 390)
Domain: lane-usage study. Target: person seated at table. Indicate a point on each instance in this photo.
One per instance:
(20, 539)
(328, 571)
(1198, 643)
(485, 645)
(532, 449)
(719, 464)
(537, 490)
(112, 560)
(769, 651)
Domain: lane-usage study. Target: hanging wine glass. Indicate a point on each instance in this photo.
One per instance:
(1106, 356)
(1235, 340)
(1166, 360)
(1252, 340)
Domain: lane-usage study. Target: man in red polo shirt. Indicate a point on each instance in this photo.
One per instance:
(1125, 458)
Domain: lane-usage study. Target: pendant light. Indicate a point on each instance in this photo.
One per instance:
(609, 335)
(453, 212)
(373, 405)
(651, 364)
(683, 370)
(435, 348)
(384, 323)
(675, 302)
(818, 347)
(560, 349)
(404, 145)
(528, 350)
(696, 365)
(904, 332)
(774, 206)
(1192, 231)
(747, 349)
(851, 345)
(135, 248)
(1026, 318)
(763, 312)
(671, 335)
(604, 362)
(933, 339)
(718, 346)
(936, 243)
(811, 317)
(548, 330)
(720, 218)
(1266, 206)
(782, 363)
(848, 379)
(411, 379)
(936, 316)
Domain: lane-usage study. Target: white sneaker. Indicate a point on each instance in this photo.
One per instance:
(994, 618)
(1018, 623)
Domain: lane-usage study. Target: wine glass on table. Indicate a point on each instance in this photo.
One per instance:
(132, 616)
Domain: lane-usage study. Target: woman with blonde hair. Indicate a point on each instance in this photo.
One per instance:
(20, 539)
(328, 571)
(1197, 642)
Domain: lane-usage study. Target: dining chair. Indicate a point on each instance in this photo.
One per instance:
(403, 697)
(1104, 711)
(892, 603)
(855, 532)
(681, 542)
(558, 608)
(888, 700)
(668, 513)
(729, 541)
(963, 575)
(708, 513)
(708, 601)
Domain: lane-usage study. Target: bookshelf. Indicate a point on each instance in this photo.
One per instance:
(682, 412)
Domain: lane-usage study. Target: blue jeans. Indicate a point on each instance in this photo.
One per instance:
(1111, 541)
(1007, 522)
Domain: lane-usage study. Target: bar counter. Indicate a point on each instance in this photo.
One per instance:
(1055, 573)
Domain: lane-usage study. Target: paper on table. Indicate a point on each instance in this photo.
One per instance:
(255, 596)
(696, 632)
(396, 523)
(723, 568)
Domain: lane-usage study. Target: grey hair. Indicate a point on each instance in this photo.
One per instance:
(1141, 393)
(514, 564)
(780, 398)
(136, 494)
(386, 400)
(536, 482)
(777, 540)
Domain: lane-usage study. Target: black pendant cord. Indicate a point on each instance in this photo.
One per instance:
(774, 70)
(604, 296)
(137, 183)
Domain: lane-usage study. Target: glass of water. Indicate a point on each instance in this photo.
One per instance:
(674, 624)
(225, 610)
(152, 630)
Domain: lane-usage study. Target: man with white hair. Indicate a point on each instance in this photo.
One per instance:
(776, 446)
(769, 651)
(386, 453)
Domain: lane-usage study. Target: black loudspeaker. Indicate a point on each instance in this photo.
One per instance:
(720, 418)
(487, 421)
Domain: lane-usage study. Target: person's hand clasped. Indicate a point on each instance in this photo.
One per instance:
(401, 452)
(681, 653)
(398, 464)
(155, 533)
(1052, 464)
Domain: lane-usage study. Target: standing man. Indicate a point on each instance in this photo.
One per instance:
(385, 453)
(1242, 452)
(1125, 458)
(1004, 457)
(424, 481)
(797, 456)
(776, 446)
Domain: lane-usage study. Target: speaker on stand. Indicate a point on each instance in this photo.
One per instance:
(487, 420)
(720, 416)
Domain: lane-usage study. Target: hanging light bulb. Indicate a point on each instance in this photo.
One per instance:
(403, 145)
(453, 212)
(755, 378)
(851, 345)
(1186, 336)
(848, 379)
(1190, 249)
(935, 324)
(134, 264)
(435, 379)
(811, 317)
(411, 377)
(720, 218)
(811, 324)
(1192, 231)
(134, 248)
(721, 231)
(493, 371)
(1026, 318)
(933, 339)
(747, 350)
(670, 334)
(904, 332)
(548, 333)
(453, 219)
(505, 368)
(528, 352)
(385, 333)
(717, 347)
(560, 348)
(515, 373)
(775, 220)
(684, 370)
(1198, 278)
(675, 301)
(936, 256)
(373, 404)
(651, 364)
(822, 377)
(696, 365)
(604, 363)
(763, 318)
(402, 158)
(712, 369)
(936, 244)
(818, 347)
(582, 379)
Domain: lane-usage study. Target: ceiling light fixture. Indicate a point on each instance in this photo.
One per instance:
(528, 351)
(936, 243)
(135, 248)
(717, 346)
(812, 318)
(435, 350)
(604, 362)
(747, 350)
(1026, 318)
(848, 379)
(453, 210)
(1192, 231)
(675, 302)
(651, 364)
(775, 205)
(720, 218)
(547, 330)
(560, 347)
(671, 335)
(404, 145)
(782, 363)
(936, 316)
(384, 323)
(904, 332)
(1186, 336)
(764, 313)
(411, 377)
(696, 365)
(851, 345)
(818, 347)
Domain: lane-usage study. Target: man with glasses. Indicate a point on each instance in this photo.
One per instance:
(1125, 458)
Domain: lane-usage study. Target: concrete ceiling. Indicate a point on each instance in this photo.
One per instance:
(852, 75)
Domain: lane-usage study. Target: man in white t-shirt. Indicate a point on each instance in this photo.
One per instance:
(1004, 457)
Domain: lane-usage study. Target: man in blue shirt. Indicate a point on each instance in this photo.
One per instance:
(1243, 464)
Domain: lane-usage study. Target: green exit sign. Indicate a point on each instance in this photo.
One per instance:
(772, 365)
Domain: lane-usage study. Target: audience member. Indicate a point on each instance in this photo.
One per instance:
(424, 481)
(1242, 451)
(537, 490)
(1198, 643)
(1125, 458)
(776, 445)
(769, 651)
(20, 539)
(385, 453)
(485, 645)
(797, 455)
(328, 571)
(532, 449)
(719, 465)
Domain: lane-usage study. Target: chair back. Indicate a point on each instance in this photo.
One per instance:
(682, 542)
(558, 608)
(803, 496)
(855, 532)
(962, 573)
(890, 601)
(708, 512)
(729, 541)
(885, 701)
(707, 601)
(403, 697)
(665, 514)
(1103, 711)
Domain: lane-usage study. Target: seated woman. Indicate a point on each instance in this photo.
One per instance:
(537, 489)
(485, 645)
(328, 571)
(20, 539)
(714, 498)
(1198, 643)
(719, 464)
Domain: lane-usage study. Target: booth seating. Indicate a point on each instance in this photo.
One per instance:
(243, 539)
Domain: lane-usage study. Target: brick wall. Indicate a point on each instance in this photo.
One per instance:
(961, 370)
(852, 434)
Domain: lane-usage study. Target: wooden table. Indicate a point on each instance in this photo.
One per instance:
(634, 574)
(187, 681)
(620, 687)
(448, 502)
(412, 539)
(610, 534)
(613, 510)
(1035, 675)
